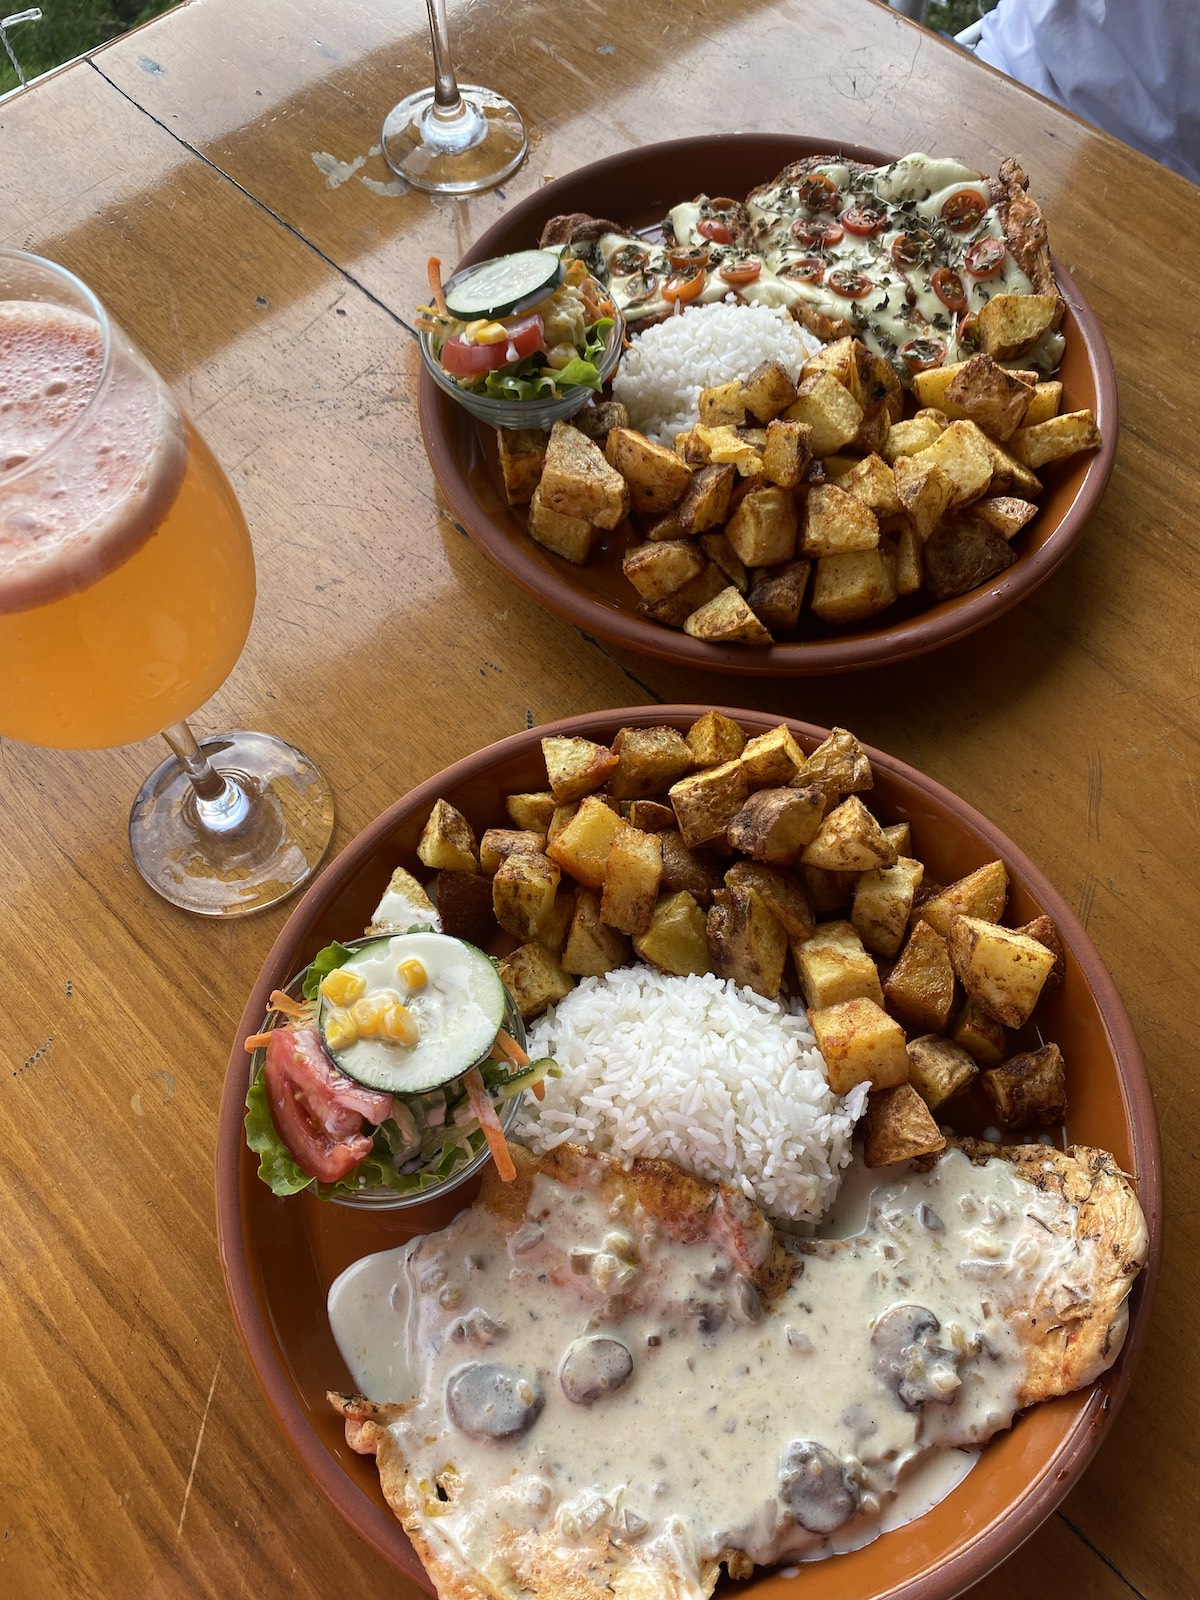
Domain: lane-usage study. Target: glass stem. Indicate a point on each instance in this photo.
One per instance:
(447, 102)
(221, 804)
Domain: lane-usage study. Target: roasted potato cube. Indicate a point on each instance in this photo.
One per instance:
(706, 802)
(772, 758)
(726, 619)
(849, 840)
(1055, 439)
(531, 812)
(535, 978)
(465, 906)
(982, 893)
(675, 940)
(878, 381)
(522, 453)
(787, 453)
(675, 609)
(860, 1044)
(649, 761)
(524, 887)
(883, 901)
(1005, 514)
(920, 987)
(929, 387)
(907, 547)
(577, 481)
(962, 552)
(658, 568)
(1029, 1090)
(910, 437)
(715, 739)
(632, 876)
(592, 948)
(777, 594)
(669, 526)
(873, 481)
(447, 840)
(1009, 476)
(989, 395)
(576, 767)
(781, 892)
(1047, 397)
(597, 421)
(838, 766)
(722, 554)
(581, 847)
(559, 818)
(850, 588)
(836, 522)
(657, 478)
(403, 904)
(899, 836)
(705, 503)
(1044, 931)
(829, 409)
(746, 941)
(962, 453)
(569, 537)
(553, 929)
(723, 406)
(1009, 323)
(774, 825)
(696, 871)
(650, 816)
(497, 843)
(832, 965)
(926, 491)
(768, 390)
(1002, 971)
(827, 891)
(982, 1037)
(721, 447)
(899, 1127)
(938, 1069)
(762, 530)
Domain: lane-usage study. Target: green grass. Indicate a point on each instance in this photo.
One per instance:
(952, 16)
(67, 29)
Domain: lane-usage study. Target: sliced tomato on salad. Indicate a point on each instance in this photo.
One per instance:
(318, 1111)
(464, 358)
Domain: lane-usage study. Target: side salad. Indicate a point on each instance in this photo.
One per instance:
(386, 1066)
(528, 326)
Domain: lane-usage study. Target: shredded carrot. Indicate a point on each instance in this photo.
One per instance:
(511, 1048)
(485, 1115)
(281, 1002)
(257, 1041)
(539, 1089)
(435, 284)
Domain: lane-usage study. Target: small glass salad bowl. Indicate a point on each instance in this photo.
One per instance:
(452, 1146)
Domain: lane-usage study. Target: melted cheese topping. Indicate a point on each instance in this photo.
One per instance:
(582, 1369)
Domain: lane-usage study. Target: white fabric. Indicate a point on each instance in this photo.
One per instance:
(1131, 67)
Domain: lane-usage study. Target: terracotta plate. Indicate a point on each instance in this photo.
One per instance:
(637, 188)
(280, 1256)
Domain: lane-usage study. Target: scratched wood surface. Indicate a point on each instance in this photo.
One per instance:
(216, 177)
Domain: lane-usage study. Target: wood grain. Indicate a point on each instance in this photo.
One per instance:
(215, 177)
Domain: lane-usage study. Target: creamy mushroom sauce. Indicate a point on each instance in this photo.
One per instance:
(583, 1367)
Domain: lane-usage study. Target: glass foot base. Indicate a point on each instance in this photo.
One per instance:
(454, 154)
(263, 840)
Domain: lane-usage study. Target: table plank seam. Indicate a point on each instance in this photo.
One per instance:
(1100, 1556)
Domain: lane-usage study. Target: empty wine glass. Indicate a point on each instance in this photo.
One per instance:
(452, 138)
(126, 594)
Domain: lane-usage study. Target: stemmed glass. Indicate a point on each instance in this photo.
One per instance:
(126, 594)
(452, 138)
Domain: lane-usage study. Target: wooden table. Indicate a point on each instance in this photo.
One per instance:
(216, 177)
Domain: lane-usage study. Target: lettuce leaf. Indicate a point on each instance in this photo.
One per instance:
(334, 955)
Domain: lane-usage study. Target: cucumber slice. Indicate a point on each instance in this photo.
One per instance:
(458, 1010)
(506, 283)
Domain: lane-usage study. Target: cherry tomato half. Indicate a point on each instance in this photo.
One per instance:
(461, 358)
(715, 229)
(808, 269)
(818, 192)
(853, 285)
(948, 287)
(985, 257)
(642, 286)
(683, 257)
(317, 1110)
(964, 210)
(739, 273)
(911, 248)
(628, 259)
(685, 286)
(920, 354)
(817, 235)
(862, 220)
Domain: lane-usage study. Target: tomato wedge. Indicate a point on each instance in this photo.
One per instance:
(628, 259)
(684, 256)
(464, 358)
(818, 192)
(948, 287)
(965, 210)
(739, 273)
(715, 229)
(911, 248)
(642, 286)
(985, 257)
(817, 235)
(685, 286)
(862, 220)
(808, 269)
(318, 1111)
(921, 354)
(853, 285)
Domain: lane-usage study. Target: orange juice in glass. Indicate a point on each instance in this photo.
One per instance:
(126, 594)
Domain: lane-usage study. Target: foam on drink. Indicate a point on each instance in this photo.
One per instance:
(81, 487)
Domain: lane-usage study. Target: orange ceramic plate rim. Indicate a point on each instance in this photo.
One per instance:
(1049, 1446)
(452, 437)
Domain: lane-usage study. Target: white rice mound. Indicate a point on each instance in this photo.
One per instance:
(725, 1083)
(661, 375)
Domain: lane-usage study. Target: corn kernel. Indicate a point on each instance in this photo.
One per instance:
(412, 974)
(491, 333)
(342, 988)
(400, 1025)
(340, 1032)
